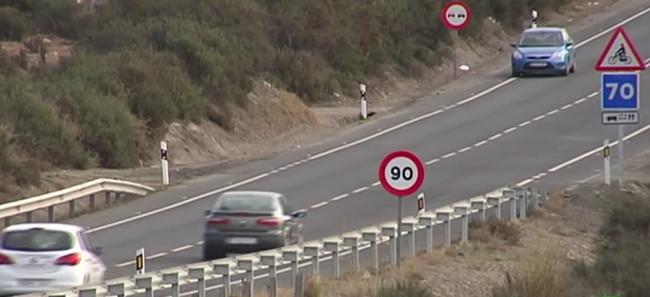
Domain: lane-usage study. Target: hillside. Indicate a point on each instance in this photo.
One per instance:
(85, 87)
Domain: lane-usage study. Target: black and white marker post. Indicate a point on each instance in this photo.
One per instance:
(607, 166)
(364, 103)
(533, 15)
(164, 158)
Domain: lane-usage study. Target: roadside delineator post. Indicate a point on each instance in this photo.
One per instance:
(445, 214)
(427, 220)
(332, 246)
(390, 232)
(372, 236)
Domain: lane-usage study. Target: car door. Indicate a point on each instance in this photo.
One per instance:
(292, 222)
(95, 265)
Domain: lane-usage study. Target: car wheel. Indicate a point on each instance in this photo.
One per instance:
(573, 67)
(211, 253)
(514, 73)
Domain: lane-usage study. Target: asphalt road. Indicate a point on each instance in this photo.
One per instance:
(474, 142)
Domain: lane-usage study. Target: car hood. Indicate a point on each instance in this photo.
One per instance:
(539, 50)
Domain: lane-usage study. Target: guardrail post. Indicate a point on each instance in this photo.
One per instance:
(496, 202)
(108, 198)
(225, 269)
(535, 197)
(427, 221)
(172, 279)
(520, 193)
(271, 261)
(72, 208)
(91, 201)
(116, 290)
(87, 293)
(390, 232)
(313, 251)
(478, 203)
(509, 195)
(248, 266)
(333, 247)
(145, 283)
(352, 241)
(371, 236)
(462, 209)
(199, 275)
(444, 214)
(299, 285)
(50, 214)
(409, 227)
(292, 257)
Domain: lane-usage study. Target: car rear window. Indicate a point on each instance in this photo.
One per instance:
(541, 39)
(37, 240)
(252, 204)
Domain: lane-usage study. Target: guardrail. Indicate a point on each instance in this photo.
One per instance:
(111, 187)
(311, 256)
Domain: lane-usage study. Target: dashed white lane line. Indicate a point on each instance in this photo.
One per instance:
(594, 94)
(508, 130)
(539, 117)
(566, 106)
(359, 190)
(552, 112)
(523, 124)
(467, 148)
(377, 183)
(495, 136)
(447, 156)
(480, 143)
(339, 197)
(319, 205)
(581, 100)
(180, 249)
(158, 255)
(436, 160)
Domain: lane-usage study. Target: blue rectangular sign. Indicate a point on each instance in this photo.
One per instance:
(619, 91)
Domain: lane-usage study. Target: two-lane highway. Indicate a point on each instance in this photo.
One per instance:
(515, 130)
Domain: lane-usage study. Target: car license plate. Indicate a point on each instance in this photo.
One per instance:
(241, 240)
(537, 64)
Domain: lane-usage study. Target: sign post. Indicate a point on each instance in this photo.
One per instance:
(139, 261)
(607, 169)
(401, 173)
(619, 89)
(455, 15)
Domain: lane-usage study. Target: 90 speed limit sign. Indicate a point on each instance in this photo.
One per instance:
(401, 173)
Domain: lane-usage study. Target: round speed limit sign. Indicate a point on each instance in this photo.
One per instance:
(401, 173)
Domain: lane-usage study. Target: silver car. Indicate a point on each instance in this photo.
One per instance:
(250, 221)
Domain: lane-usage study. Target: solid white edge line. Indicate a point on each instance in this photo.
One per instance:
(180, 249)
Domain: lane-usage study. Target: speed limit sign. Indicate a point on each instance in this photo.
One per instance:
(401, 173)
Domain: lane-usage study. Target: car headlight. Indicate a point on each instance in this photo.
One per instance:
(558, 55)
(517, 55)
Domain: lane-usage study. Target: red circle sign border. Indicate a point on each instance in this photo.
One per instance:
(443, 13)
(418, 182)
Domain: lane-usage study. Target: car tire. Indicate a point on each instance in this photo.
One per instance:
(514, 73)
(573, 67)
(211, 253)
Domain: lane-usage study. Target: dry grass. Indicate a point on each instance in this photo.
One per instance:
(541, 274)
(494, 229)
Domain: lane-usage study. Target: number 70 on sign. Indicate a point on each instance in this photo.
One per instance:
(619, 91)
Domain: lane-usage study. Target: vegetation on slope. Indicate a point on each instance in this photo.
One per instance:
(139, 65)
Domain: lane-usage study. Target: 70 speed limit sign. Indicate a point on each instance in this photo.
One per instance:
(401, 173)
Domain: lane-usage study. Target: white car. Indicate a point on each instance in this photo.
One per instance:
(47, 257)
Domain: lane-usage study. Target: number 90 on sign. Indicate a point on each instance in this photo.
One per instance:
(401, 173)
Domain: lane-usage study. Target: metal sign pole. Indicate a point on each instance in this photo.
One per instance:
(399, 231)
(621, 160)
(453, 44)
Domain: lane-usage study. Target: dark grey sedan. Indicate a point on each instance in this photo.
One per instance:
(250, 221)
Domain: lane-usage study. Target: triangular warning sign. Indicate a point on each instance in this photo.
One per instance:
(620, 54)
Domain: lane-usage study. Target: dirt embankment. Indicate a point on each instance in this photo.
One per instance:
(275, 120)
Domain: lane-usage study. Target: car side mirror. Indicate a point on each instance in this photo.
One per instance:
(513, 45)
(299, 214)
(98, 251)
(569, 45)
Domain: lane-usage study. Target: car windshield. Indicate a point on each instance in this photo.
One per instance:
(37, 240)
(246, 203)
(541, 39)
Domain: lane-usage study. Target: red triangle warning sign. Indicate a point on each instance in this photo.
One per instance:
(620, 54)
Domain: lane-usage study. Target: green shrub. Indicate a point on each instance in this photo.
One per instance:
(13, 24)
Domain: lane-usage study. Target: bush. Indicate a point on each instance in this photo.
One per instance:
(13, 24)
(540, 275)
(493, 228)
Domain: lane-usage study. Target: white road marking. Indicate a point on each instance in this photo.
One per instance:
(566, 106)
(480, 143)
(319, 205)
(180, 249)
(125, 264)
(581, 100)
(552, 112)
(158, 255)
(339, 197)
(375, 184)
(467, 148)
(436, 160)
(510, 130)
(523, 124)
(587, 154)
(359, 190)
(449, 155)
(200, 242)
(539, 117)
(593, 94)
(495, 137)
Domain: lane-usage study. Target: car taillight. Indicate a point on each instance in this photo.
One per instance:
(5, 260)
(218, 221)
(268, 222)
(69, 260)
